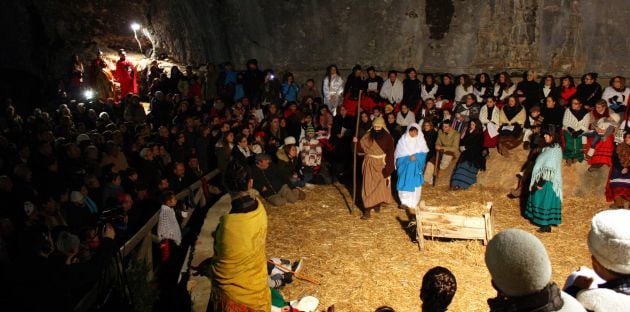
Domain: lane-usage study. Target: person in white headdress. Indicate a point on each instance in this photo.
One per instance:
(410, 154)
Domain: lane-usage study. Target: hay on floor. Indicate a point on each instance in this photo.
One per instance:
(365, 264)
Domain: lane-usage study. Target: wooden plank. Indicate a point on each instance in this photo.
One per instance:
(137, 238)
(419, 236)
(432, 230)
(454, 220)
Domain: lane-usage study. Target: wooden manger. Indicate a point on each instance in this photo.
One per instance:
(435, 221)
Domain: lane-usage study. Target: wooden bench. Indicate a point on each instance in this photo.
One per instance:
(435, 221)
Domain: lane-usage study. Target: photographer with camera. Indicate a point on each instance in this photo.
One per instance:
(48, 275)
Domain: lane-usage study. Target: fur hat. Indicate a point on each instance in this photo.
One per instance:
(389, 108)
(378, 122)
(289, 140)
(609, 240)
(518, 263)
(67, 242)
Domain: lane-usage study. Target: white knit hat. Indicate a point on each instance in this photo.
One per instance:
(289, 140)
(609, 240)
(518, 263)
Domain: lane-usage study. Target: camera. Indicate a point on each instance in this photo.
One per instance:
(114, 216)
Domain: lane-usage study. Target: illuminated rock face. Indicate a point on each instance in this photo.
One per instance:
(432, 35)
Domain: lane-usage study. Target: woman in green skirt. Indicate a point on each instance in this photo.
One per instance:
(544, 205)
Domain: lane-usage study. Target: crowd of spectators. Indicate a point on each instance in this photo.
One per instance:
(81, 174)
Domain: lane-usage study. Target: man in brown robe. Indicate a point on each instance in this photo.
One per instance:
(378, 165)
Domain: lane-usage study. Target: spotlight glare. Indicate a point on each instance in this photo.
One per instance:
(135, 26)
(88, 94)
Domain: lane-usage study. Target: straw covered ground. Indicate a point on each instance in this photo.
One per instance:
(362, 265)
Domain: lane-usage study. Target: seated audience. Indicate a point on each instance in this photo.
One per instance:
(471, 158)
(600, 137)
(447, 144)
(512, 120)
(438, 289)
(618, 186)
(609, 244)
(521, 274)
(269, 182)
(575, 122)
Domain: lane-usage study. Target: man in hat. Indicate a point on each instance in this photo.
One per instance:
(521, 274)
(126, 74)
(609, 244)
(378, 165)
(270, 183)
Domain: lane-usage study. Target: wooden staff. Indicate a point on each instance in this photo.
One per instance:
(298, 275)
(436, 170)
(354, 154)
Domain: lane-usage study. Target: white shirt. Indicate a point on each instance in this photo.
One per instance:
(393, 93)
(460, 92)
(168, 227)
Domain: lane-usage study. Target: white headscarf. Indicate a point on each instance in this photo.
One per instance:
(408, 145)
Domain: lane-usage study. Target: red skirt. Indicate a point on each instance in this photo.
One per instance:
(603, 151)
(367, 104)
(489, 142)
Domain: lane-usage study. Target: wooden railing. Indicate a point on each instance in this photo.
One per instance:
(142, 243)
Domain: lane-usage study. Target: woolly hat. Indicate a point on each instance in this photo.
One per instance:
(518, 263)
(310, 129)
(289, 140)
(67, 242)
(378, 122)
(82, 137)
(262, 156)
(609, 240)
(76, 197)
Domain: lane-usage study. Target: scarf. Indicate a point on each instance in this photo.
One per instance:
(547, 167)
(429, 87)
(623, 152)
(490, 110)
(510, 111)
(552, 115)
(597, 115)
(579, 114)
(408, 145)
(547, 300)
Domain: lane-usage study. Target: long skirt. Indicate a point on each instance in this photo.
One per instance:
(544, 207)
(618, 185)
(464, 175)
(573, 147)
(410, 199)
(603, 151)
(489, 142)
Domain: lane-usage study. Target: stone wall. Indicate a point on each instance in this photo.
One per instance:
(557, 36)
